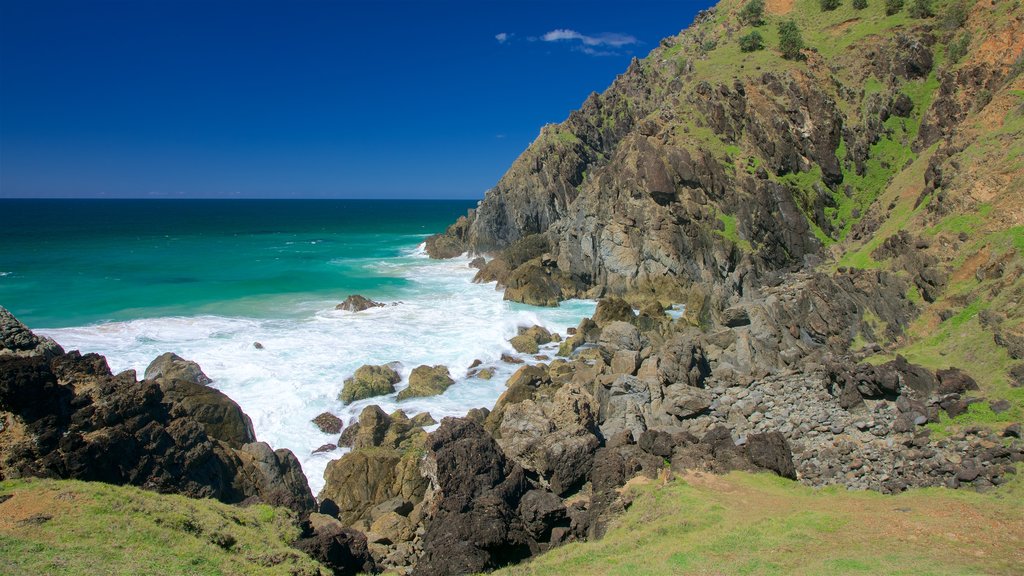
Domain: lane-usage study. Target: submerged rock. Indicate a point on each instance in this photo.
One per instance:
(328, 423)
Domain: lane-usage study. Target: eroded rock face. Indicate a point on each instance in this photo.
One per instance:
(69, 417)
(169, 366)
(482, 515)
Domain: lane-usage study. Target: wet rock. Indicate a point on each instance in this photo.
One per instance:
(325, 448)
(369, 381)
(328, 423)
(170, 366)
(427, 381)
(357, 303)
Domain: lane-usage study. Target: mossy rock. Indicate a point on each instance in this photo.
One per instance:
(525, 344)
(369, 381)
(427, 381)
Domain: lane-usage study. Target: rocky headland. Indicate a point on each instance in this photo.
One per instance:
(806, 266)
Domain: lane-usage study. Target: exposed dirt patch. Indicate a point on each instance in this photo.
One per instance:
(31, 508)
(837, 29)
(779, 6)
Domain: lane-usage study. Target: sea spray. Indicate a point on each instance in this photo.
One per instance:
(438, 317)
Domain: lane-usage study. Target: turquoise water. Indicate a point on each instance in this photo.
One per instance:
(71, 262)
(207, 279)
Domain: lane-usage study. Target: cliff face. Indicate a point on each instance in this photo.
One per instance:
(703, 164)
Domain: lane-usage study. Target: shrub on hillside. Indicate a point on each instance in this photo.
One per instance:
(751, 42)
(860, 4)
(957, 49)
(955, 15)
(791, 42)
(829, 5)
(920, 9)
(893, 7)
(752, 13)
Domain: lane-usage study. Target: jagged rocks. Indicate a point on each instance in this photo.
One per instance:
(17, 340)
(341, 550)
(772, 452)
(480, 517)
(357, 303)
(427, 381)
(613, 310)
(529, 339)
(71, 418)
(369, 381)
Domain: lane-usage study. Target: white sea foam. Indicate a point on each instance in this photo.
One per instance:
(443, 318)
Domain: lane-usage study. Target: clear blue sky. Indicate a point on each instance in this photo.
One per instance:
(244, 98)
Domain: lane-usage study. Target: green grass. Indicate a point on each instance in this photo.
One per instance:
(731, 233)
(762, 524)
(103, 529)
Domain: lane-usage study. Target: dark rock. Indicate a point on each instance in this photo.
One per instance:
(1012, 431)
(341, 550)
(357, 303)
(476, 525)
(656, 442)
(1017, 376)
(328, 423)
(478, 263)
(325, 448)
(954, 381)
(257, 345)
(106, 428)
(509, 359)
(771, 451)
(170, 366)
(1000, 406)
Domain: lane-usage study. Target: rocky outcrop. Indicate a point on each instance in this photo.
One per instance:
(69, 417)
(328, 423)
(484, 512)
(17, 340)
(369, 381)
(427, 381)
(357, 303)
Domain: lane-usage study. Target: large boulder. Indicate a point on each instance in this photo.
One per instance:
(771, 451)
(220, 416)
(369, 381)
(17, 340)
(343, 551)
(613, 310)
(365, 478)
(619, 335)
(427, 381)
(169, 366)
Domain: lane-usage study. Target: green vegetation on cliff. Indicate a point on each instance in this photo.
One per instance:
(763, 524)
(71, 527)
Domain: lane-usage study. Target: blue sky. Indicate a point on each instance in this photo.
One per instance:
(244, 98)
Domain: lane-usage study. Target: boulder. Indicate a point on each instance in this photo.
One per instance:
(357, 303)
(524, 344)
(618, 335)
(365, 478)
(369, 381)
(170, 366)
(954, 381)
(772, 452)
(341, 550)
(427, 381)
(613, 310)
(735, 316)
(682, 401)
(328, 423)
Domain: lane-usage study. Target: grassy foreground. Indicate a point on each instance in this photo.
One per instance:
(74, 528)
(762, 524)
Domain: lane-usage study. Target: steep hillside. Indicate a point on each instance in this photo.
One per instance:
(885, 157)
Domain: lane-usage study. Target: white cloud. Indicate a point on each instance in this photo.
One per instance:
(502, 37)
(611, 39)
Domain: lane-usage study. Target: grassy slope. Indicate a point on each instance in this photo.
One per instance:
(102, 529)
(762, 524)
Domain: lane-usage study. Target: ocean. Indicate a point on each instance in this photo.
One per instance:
(206, 279)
